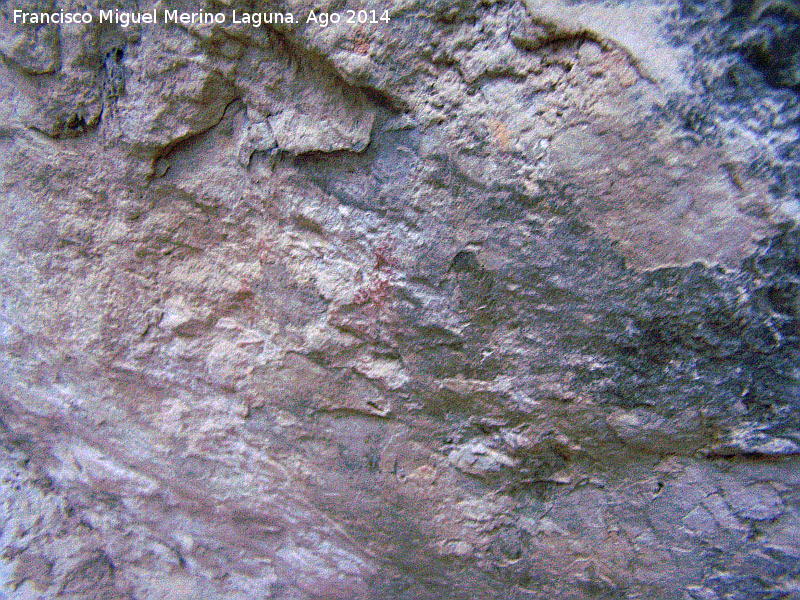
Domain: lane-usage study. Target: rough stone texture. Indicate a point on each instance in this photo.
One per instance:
(494, 300)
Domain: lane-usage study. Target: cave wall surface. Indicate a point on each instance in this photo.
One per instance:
(495, 299)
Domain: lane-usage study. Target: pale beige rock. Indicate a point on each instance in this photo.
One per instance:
(298, 133)
(228, 365)
(33, 48)
(643, 429)
(255, 137)
(634, 27)
(415, 309)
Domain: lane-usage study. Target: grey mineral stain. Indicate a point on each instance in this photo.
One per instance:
(494, 300)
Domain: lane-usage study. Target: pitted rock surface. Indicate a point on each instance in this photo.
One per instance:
(491, 300)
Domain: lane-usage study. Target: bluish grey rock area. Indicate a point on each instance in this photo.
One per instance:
(483, 300)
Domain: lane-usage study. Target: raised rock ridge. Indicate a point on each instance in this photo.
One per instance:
(491, 300)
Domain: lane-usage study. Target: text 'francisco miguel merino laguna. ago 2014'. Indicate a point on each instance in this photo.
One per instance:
(254, 19)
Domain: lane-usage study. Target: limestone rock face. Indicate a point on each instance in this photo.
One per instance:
(481, 300)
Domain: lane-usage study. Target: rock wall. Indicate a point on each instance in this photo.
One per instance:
(485, 300)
